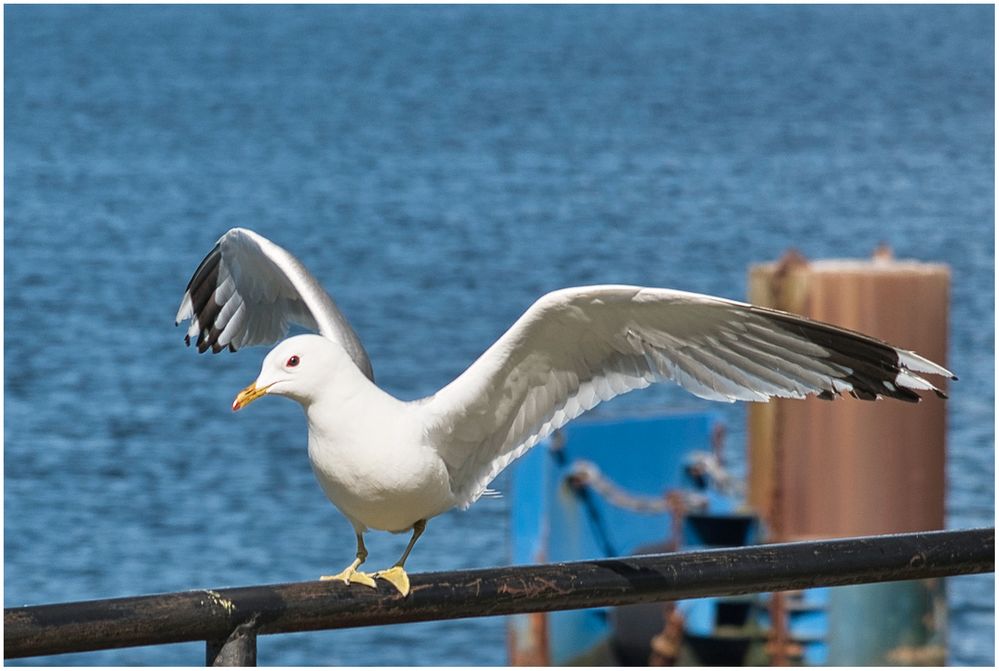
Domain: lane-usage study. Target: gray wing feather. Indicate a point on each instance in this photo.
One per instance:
(577, 347)
(248, 291)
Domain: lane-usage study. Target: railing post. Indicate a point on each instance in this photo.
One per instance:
(239, 649)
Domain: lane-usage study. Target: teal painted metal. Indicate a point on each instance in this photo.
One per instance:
(903, 624)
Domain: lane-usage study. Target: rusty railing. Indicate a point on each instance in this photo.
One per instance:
(229, 620)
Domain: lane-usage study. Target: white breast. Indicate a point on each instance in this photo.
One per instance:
(380, 474)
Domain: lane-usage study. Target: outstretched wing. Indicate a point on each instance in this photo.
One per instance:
(576, 347)
(248, 290)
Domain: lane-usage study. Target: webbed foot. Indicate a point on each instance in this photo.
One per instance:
(397, 576)
(351, 575)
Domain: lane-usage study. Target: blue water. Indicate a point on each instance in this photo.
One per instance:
(438, 168)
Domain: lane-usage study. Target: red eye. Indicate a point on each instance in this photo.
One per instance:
(293, 361)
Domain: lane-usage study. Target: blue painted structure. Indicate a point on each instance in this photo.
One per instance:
(553, 519)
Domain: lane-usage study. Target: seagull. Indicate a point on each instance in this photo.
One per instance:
(392, 465)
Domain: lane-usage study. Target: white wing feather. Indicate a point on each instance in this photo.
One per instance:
(577, 347)
(248, 291)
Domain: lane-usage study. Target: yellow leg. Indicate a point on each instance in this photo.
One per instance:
(397, 574)
(351, 574)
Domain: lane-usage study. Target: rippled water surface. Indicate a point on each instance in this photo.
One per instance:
(438, 168)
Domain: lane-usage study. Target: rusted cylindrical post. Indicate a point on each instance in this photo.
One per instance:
(821, 469)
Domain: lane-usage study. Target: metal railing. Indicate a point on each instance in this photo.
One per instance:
(229, 620)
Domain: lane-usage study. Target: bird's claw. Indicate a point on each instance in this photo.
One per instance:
(397, 576)
(350, 575)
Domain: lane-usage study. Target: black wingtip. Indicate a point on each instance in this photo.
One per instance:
(187, 340)
(863, 394)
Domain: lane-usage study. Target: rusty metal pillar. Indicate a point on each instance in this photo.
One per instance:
(820, 469)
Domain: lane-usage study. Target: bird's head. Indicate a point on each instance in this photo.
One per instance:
(298, 368)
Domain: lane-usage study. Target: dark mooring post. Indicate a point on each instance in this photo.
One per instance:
(239, 649)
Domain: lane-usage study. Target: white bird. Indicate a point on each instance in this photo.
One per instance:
(392, 465)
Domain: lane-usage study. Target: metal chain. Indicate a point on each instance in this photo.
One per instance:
(706, 463)
(583, 472)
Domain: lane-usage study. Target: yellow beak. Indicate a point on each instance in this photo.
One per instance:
(248, 396)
